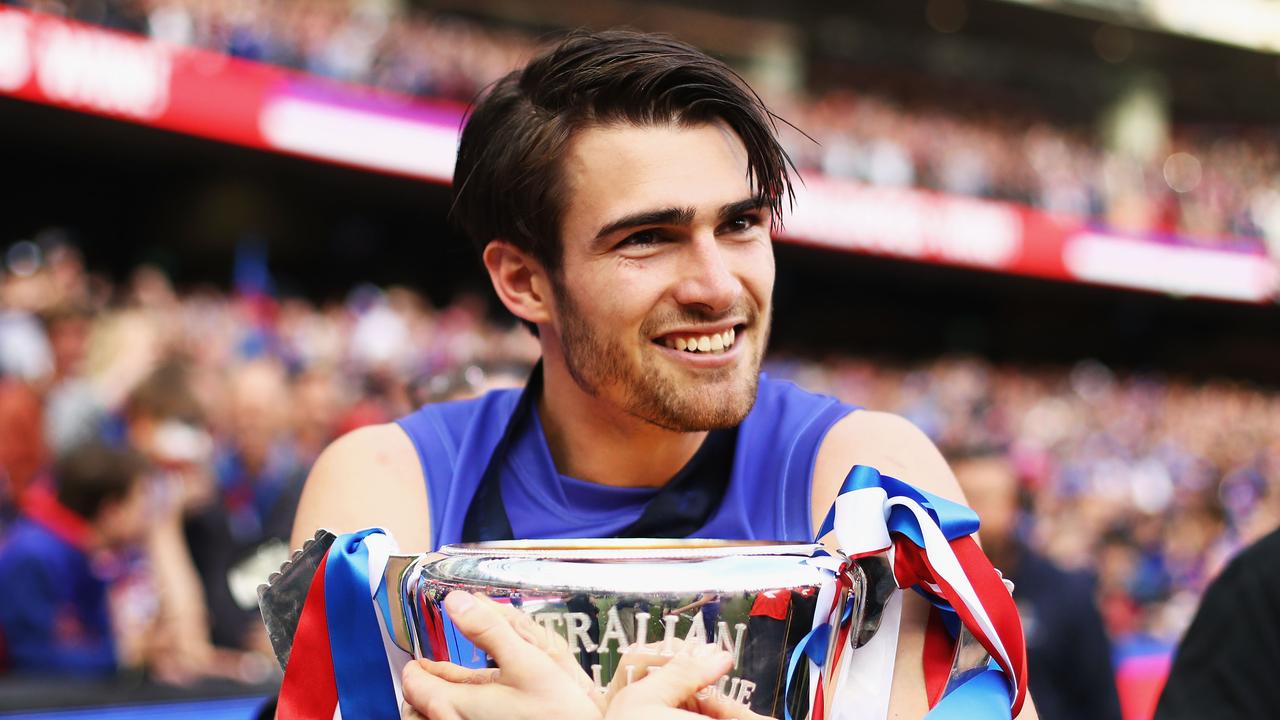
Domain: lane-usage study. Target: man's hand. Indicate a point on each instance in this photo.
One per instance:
(536, 677)
(671, 692)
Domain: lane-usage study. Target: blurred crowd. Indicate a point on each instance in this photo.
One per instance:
(153, 448)
(209, 407)
(1208, 185)
(1151, 483)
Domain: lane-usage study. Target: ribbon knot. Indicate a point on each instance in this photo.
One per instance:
(930, 545)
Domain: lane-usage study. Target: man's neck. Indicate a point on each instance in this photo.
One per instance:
(593, 440)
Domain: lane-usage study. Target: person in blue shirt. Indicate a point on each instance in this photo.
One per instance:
(55, 617)
(622, 190)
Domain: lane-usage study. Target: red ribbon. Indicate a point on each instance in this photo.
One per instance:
(911, 567)
(310, 690)
(42, 506)
(939, 649)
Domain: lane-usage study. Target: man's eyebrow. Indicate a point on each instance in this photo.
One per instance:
(733, 210)
(663, 216)
(676, 216)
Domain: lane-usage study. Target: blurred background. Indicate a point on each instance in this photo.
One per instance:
(1046, 231)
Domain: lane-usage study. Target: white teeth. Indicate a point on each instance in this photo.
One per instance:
(719, 342)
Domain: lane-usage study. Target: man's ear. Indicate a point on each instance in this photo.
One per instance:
(522, 283)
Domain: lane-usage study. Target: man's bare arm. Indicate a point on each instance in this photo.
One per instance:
(367, 477)
(895, 447)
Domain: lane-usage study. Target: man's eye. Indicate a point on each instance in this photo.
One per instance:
(640, 239)
(742, 223)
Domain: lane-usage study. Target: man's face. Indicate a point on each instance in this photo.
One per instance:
(662, 301)
(123, 522)
(991, 488)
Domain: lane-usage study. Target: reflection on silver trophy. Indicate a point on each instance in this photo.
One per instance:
(617, 601)
(623, 606)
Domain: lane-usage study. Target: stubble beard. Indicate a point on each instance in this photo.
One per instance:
(654, 393)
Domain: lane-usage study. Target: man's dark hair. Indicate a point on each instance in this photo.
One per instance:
(166, 394)
(93, 474)
(978, 452)
(507, 181)
(68, 312)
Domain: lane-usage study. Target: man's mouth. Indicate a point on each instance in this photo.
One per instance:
(696, 342)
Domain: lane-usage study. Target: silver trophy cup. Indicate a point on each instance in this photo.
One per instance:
(614, 601)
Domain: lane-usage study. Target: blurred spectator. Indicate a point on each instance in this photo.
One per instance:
(165, 422)
(73, 407)
(22, 447)
(245, 533)
(56, 565)
(257, 468)
(1068, 653)
(24, 348)
(316, 401)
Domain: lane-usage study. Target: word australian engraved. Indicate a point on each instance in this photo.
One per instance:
(576, 629)
(635, 638)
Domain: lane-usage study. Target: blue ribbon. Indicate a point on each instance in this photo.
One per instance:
(986, 695)
(365, 687)
(955, 520)
(814, 644)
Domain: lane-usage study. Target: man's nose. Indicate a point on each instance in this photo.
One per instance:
(707, 277)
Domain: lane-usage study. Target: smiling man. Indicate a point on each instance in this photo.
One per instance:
(622, 189)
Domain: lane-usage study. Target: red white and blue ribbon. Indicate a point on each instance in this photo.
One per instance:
(343, 661)
(930, 547)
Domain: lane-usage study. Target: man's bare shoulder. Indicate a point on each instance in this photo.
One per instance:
(370, 476)
(891, 444)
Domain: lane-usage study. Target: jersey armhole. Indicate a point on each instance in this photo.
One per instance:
(437, 499)
(816, 435)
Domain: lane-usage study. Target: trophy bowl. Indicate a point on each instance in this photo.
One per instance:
(613, 600)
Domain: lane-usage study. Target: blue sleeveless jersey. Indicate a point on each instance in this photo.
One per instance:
(767, 498)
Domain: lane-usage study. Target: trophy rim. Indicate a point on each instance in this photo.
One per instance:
(628, 549)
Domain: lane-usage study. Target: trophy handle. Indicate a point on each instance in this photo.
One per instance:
(396, 578)
(970, 659)
(853, 600)
(880, 587)
(419, 626)
(281, 597)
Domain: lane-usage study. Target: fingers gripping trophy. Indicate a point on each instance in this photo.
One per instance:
(766, 551)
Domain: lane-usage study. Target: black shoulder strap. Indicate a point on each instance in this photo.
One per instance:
(487, 515)
(687, 502)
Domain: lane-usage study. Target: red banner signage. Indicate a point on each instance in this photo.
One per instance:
(84, 68)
